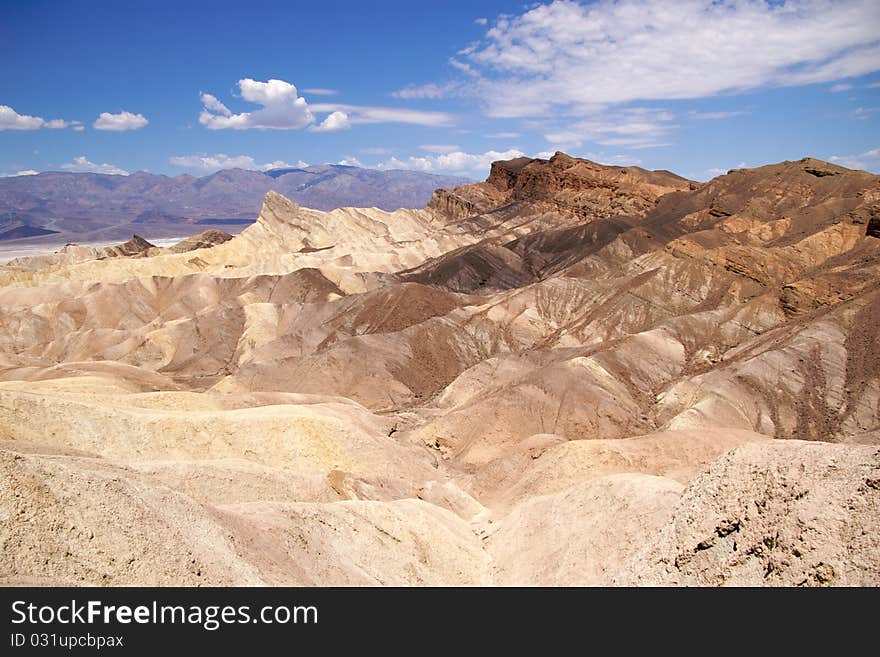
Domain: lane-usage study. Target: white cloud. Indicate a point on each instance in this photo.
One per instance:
(566, 56)
(26, 172)
(874, 85)
(363, 114)
(503, 135)
(635, 127)
(481, 21)
(837, 88)
(12, 120)
(440, 148)
(600, 158)
(60, 124)
(615, 160)
(350, 161)
(222, 161)
(430, 90)
(714, 172)
(120, 122)
(869, 160)
(82, 165)
(320, 91)
(456, 162)
(464, 67)
(213, 104)
(862, 113)
(334, 122)
(280, 108)
(714, 116)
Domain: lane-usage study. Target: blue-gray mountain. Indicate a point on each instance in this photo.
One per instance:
(83, 206)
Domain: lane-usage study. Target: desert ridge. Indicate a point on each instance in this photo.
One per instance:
(570, 373)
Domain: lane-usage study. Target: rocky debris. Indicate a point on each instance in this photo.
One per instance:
(773, 514)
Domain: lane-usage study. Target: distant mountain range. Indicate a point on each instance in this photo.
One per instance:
(92, 206)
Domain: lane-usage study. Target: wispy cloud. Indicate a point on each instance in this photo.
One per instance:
(837, 88)
(368, 114)
(120, 122)
(320, 91)
(431, 90)
(82, 164)
(222, 161)
(869, 160)
(631, 127)
(503, 135)
(714, 116)
(862, 113)
(440, 148)
(377, 150)
(565, 56)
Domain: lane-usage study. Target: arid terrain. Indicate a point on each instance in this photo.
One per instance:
(570, 374)
(62, 206)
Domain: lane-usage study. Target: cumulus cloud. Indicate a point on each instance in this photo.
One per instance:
(334, 122)
(869, 160)
(222, 161)
(350, 161)
(12, 120)
(120, 122)
(82, 165)
(280, 108)
(564, 56)
(455, 162)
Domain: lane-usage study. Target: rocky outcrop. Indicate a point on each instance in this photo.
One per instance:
(571, 186)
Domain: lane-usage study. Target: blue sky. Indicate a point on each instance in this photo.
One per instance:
(694, 86)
